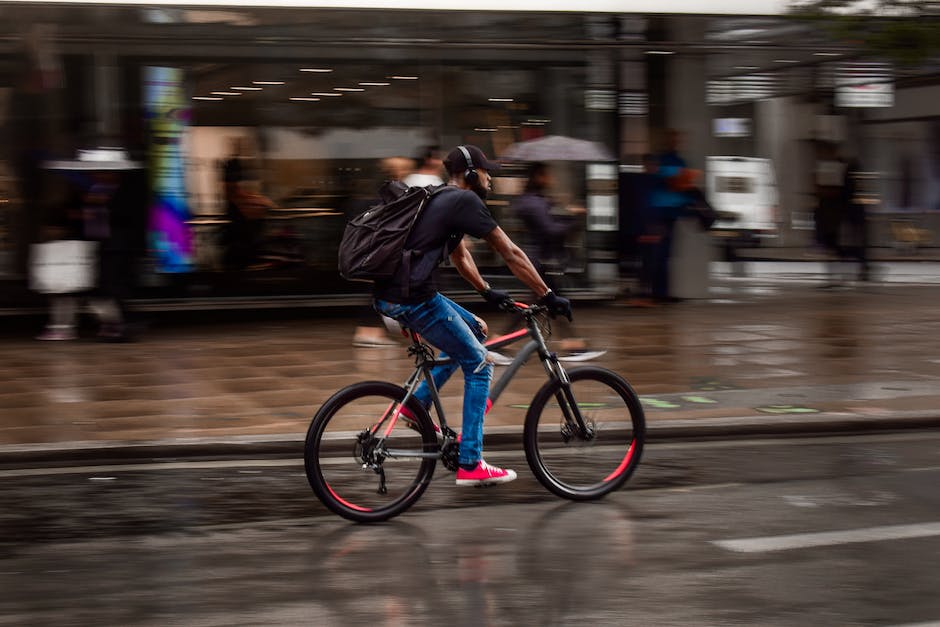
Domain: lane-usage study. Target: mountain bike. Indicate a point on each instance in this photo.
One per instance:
(371, 449)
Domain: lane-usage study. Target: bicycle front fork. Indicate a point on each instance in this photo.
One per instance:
(574, 425)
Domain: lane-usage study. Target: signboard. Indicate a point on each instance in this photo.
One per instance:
(864, 85)
(600, 100)
(167, 112)
(731, 127)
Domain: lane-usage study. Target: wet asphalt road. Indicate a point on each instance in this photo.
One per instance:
(828, 530)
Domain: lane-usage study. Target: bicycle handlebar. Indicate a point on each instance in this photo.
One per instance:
(524, 308)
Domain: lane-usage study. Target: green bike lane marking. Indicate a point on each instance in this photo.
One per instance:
(786, 409)
(661, 403)
(711, 384)
(653, 402)
(688, 400)
(701, 400)
(585, 405)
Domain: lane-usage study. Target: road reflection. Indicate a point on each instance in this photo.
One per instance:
(539, 566)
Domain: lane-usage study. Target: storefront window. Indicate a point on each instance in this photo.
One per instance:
(303, 110)
(314, 139)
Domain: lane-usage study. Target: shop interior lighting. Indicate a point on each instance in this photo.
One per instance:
(329, 94)
(317, 70)
(502, 99)
(485, 130)
(267, 82)
(785, 61)
(827, 54)
(207, 98)
(305, 99)
(375, 84)
(348, 89)
(399, 77)
(664, 52)
(246, 88)
(226, 93)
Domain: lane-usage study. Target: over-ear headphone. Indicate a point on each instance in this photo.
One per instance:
(470, 174)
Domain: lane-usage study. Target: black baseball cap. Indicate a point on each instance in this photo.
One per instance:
(456, 161)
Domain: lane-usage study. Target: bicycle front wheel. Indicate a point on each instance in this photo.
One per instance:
(586, 459)
(363, 463)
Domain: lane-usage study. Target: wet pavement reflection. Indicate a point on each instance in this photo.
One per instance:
(243, 542)
(732, 357)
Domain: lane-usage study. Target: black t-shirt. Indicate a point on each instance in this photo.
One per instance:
(449, 215)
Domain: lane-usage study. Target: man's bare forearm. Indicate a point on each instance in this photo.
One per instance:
(517, 261)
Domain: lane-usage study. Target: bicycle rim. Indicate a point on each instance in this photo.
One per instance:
(349, 449)
(577, 467)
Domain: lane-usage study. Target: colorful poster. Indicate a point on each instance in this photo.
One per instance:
(168, 114)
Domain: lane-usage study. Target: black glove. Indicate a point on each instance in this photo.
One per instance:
(557, 305)
(498, 297)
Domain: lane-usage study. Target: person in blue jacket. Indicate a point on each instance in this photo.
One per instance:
(668, 201)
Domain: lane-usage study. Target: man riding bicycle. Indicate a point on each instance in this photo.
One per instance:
(411, 296)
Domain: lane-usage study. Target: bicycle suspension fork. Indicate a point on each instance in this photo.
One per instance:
(574, 423)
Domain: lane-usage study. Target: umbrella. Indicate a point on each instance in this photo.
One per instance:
(557, 148)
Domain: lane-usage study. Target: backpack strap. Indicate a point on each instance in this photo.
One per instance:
(407, 254)
(406, 271)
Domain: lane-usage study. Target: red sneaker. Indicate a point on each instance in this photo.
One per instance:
(484, 474)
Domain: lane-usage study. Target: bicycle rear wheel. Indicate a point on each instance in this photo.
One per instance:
(357, 465)
(585, 465)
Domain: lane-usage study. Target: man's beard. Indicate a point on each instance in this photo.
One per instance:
(479, 190)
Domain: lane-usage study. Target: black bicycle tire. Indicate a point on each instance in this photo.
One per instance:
(313, 441)
(534, 414)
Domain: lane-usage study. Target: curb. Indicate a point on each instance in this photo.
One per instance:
(291, 445)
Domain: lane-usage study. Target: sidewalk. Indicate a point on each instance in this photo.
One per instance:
(762, 356)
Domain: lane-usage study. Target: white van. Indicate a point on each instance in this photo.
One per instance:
(743, 190)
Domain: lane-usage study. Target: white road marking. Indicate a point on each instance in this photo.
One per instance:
(830, 538)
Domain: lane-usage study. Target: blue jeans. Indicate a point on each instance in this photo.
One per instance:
(457, 334)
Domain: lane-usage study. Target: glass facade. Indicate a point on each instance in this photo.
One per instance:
(310, 109)
(312, 105)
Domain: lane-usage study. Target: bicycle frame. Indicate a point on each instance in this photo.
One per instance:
(425, 361)
(564, 442)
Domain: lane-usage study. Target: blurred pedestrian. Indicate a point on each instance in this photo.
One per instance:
(855, 229)
(546, 231)
(830, 181)
(105, 210)
(669, 200)
(245, 209)
(430, 171)
(649, 230)
(396, 168)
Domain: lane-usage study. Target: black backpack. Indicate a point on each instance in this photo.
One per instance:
(373, 244)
